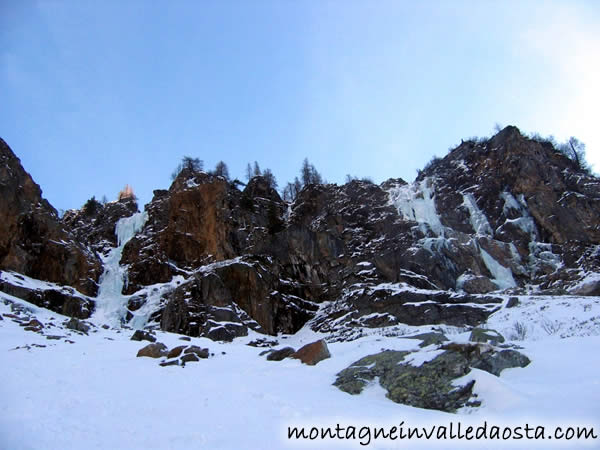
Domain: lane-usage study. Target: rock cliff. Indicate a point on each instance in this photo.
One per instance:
(33, 241)
(504, 215)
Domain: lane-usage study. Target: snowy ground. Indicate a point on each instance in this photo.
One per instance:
(95, 394)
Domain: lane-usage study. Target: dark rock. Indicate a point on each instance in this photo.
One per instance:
(190, 357)
(262, 342)
(278, 355)
(172, 362)
(78, 325)
(155, 350)
(63, 300)
(312, 353)
(512, 302)
(141, 335)
(478, 285)
(96, 228)
(495, 363)
(185, 338)
(51, 337)
(198, 351)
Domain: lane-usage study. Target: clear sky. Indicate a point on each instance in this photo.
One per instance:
(97, 94)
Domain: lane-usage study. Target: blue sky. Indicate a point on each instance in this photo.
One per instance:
(97, 94)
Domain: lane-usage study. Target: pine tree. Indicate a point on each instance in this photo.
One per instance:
(270, 178)
(221, 170)
(257, 172)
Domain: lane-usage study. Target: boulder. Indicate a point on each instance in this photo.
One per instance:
(431, 338)
(175, 352)
(155, 350)
(278, 355)
(486, 335)
(198, 351)
(189, 357)
(512, 302)
(312, 353)
(33, 325)
(141, 335)
(432, 384)
(78, 325)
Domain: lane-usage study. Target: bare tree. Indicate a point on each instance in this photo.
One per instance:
(574, 149)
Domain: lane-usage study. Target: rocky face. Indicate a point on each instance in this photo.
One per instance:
(95, 226)
(33, 241)
(524, 207)
(371, 256)
(213, 260)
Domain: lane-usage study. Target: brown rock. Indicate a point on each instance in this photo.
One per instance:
(312, 353)
(33, 325)
(175, 352)
(32, 239)
(155, 350)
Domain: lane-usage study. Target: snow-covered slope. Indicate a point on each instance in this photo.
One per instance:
(90, 391)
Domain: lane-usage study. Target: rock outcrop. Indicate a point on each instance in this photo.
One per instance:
(95, 226)
(429, 379)
(33, 241)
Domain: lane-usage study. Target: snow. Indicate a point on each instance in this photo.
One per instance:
(416, 202)
(546, 317)
(18, 279)
(154, 295)
(191, 183)
(96, 394)
(478, 220)
(111, 304)
(417, 359)
(591, 279)
(501, 276)
(525, 222)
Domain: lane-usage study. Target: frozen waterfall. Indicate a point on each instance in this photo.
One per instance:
(111, 304)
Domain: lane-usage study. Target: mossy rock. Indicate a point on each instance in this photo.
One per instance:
(431, 385)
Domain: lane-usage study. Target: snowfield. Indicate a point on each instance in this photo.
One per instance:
(94, 393)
